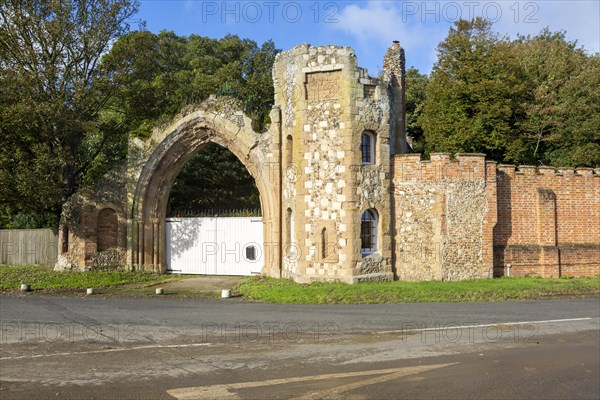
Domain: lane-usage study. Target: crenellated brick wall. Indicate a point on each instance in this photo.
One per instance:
(548, 221)
(464, 218)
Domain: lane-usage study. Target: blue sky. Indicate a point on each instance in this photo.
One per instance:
(370, 26)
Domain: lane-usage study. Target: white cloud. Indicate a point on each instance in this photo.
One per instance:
(580, 19)
(375, 24)
(379, 21)
(420, 26)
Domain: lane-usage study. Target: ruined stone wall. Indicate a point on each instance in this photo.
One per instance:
(444, 212)
(93, 227)
(455, 219)
(548, 221)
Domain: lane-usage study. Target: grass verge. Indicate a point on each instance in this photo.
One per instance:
(271, 290)
(44, 278)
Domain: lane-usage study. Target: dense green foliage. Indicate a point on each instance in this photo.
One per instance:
(534, 100)
(416, 89)
(562, 112)
(214, 179)
(67, 104)
(159, 74)
(53, 92)
(271, 290)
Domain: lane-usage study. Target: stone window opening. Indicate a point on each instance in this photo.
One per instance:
(368, 232)
(290, 228)
(65, 239)
(367, 148)
(324, 243)
(288, 168)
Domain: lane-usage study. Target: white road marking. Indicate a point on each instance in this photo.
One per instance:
(443, 327)
(170, 346)
(226, 390)
(77, 353)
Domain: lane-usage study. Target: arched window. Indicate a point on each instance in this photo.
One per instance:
(368, 232)
(367, 148)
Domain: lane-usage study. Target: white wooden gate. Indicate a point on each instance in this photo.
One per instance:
(215, 246)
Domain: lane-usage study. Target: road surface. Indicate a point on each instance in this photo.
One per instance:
(169, 349)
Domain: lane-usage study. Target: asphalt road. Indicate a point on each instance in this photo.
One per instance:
(135, 348)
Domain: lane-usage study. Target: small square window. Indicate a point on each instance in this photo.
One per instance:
(250, 253)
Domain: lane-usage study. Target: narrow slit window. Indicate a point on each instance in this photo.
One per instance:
(324, 243)
(65, 240)
(290, 229)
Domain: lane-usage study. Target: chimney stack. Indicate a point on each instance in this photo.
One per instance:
(394, 75)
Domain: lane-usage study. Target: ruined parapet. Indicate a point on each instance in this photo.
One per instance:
(394, 75)
(547, 170)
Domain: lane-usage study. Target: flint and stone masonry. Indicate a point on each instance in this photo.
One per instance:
(341, 196)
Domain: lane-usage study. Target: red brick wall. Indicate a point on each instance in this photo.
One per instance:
(548, 221)
(544, 221)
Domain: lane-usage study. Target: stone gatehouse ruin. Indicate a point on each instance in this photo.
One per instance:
(341, 196)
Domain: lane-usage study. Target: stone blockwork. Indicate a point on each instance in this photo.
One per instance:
(94, 224)
(442, 216)
(327, 103)
(334, 156)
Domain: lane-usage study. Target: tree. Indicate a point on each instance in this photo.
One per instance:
(159, 74)
(53, 90)
(475, 94)
(533, 100)
(416, 90)
(214, 179)
(562, 120)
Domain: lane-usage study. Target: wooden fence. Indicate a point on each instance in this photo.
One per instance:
(28, 246)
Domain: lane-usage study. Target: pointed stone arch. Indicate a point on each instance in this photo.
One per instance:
(155, 163)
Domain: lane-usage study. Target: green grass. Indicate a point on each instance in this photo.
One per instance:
(43, 277)
(285, 291)
(270, 290)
